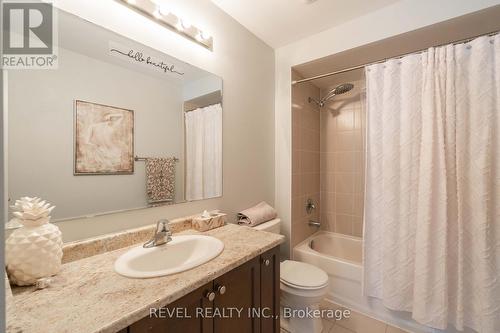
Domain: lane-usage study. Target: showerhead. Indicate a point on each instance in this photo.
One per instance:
(338, 90)
(342, 88)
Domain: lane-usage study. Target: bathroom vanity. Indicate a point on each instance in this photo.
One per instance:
(88, 296)
(245, 299)
(115, 128)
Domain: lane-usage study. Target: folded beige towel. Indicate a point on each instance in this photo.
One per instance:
(160, 180)
(257, 214)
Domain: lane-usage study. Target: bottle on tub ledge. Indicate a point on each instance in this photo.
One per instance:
(34, 251)
(209, 220)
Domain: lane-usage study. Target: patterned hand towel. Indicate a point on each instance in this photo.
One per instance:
(257, 214)
(160, 180)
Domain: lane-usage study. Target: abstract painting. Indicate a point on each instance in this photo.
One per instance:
(104, 139)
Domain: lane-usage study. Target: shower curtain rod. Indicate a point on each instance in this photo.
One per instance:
(345, 70)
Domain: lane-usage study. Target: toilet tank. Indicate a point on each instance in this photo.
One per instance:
(270, 226)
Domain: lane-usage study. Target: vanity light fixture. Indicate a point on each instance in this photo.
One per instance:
(162, 15)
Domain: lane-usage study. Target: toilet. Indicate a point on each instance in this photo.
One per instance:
(303, 286)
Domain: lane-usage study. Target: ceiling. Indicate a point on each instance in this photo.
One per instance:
(280, 22)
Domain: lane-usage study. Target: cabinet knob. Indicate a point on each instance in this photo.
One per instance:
(221, 289)
(210, 295)
(266, 262)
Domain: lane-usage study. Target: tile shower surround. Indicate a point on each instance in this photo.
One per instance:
(342, 162)
(305, 159)
(327, 161)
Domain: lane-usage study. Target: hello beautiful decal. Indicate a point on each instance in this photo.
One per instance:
(140, 57)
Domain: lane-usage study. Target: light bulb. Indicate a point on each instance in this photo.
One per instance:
(205, 35)
(163, 10)
(178, 25)
(202, 36)
(199, 37)
(185, 24)
(157, 14)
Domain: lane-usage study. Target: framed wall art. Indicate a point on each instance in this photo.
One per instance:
(104, 139)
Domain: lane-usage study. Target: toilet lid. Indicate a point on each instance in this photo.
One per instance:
(301, 275)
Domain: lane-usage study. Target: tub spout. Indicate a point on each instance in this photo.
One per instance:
(314, 223)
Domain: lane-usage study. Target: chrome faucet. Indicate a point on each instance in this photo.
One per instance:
(162, 235)
(313, 223)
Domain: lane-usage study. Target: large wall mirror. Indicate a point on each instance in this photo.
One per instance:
(116, 126)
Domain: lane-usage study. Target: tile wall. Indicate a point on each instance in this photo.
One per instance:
(342, 128)
(305, 159)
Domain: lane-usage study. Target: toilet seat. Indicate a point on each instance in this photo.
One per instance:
(302, 276)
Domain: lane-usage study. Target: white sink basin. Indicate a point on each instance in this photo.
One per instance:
(182, 253)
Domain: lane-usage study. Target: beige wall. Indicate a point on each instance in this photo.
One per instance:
(246, 65)
(305, 157)
(342, 162)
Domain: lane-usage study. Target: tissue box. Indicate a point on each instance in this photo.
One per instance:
(206, 223)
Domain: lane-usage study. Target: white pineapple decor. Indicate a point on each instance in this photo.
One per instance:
(33, 251)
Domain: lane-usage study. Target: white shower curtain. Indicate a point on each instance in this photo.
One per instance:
(432, 211)
(204, 152)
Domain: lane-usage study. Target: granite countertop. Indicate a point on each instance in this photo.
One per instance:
(87, 296)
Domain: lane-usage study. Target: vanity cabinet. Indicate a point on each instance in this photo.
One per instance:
(241, 294)
(244, 300)
(270, 290)
(184, 307)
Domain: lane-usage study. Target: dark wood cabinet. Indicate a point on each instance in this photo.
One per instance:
(179, 316)
(270, 291)
(244, 300)
(241, 297)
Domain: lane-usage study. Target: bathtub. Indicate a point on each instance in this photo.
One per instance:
(340, 256)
